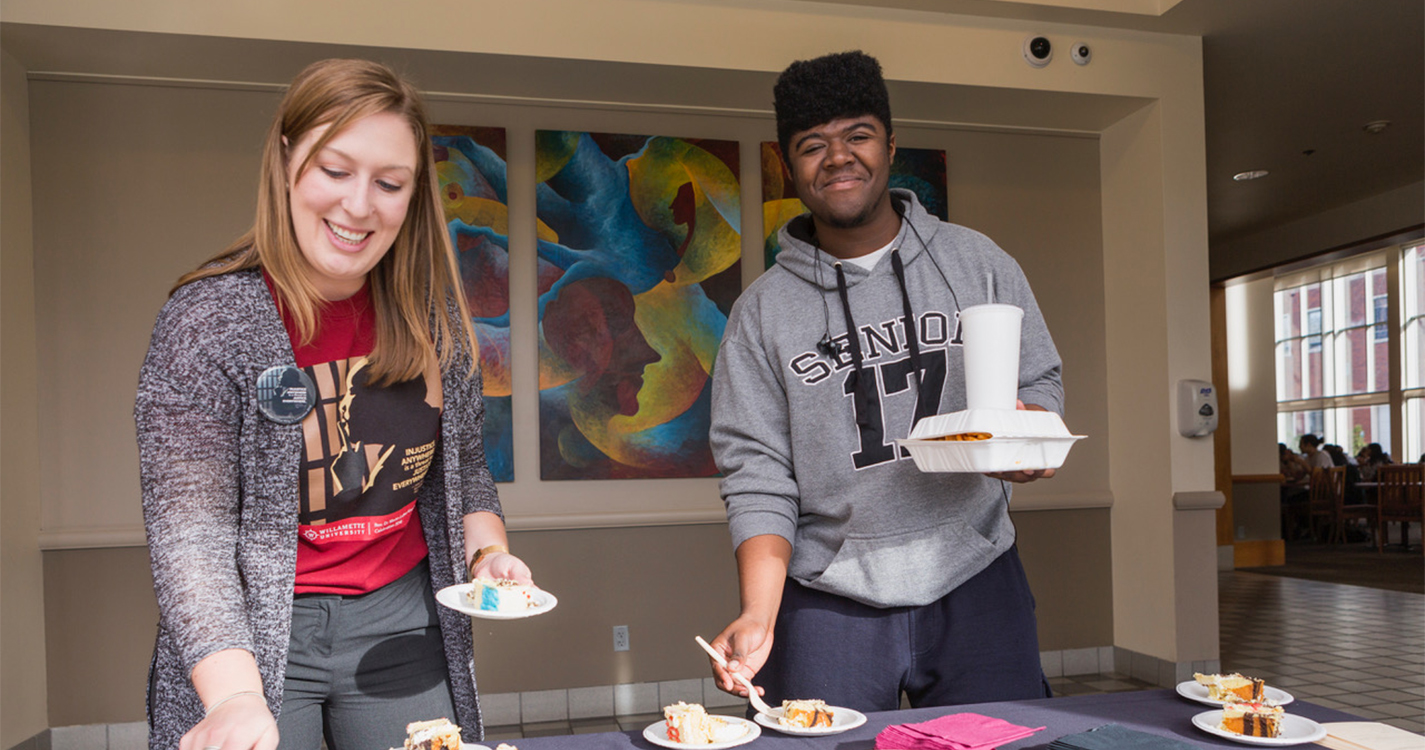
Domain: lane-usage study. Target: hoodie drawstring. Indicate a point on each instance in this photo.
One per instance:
(860, 387)
(922, 405)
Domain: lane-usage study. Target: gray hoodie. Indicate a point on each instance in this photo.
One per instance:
(799, 462)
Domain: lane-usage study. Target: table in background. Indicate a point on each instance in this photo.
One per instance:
(1161, 712)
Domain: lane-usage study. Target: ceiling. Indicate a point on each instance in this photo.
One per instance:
(1289, 86)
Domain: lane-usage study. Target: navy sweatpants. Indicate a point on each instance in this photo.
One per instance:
(976, 644)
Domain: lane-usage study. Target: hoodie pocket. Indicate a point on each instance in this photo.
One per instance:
(908, 568)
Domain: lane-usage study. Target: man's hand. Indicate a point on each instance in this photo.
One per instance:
(745, 645)
(1021, 477)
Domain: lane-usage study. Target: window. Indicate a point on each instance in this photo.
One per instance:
(1333, 343)
(1412, 350)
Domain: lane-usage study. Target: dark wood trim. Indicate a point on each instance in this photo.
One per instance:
(1222, 438)
(1258, 479)
(1258, 553)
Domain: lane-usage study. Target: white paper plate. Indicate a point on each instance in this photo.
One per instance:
(1296, 730)
(1195, 691)
(454, 597)
(842, 719)
(657, 733)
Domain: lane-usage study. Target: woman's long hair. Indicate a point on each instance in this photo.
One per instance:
(416, 281)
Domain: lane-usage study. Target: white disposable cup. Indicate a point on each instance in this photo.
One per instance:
(991, 355)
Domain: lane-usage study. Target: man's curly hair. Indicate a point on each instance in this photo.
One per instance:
(814, 92)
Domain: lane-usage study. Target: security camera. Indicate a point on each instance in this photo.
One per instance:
(1081, 53)
(1038, 51)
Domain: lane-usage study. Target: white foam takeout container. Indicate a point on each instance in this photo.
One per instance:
(1021, 441)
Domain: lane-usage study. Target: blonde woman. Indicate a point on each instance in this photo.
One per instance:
(309, 420)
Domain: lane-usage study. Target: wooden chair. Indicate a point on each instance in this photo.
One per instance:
(1328, 502)
(1400, 500)
(1321, 499)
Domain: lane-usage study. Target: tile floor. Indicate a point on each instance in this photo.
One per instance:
(1352, 648)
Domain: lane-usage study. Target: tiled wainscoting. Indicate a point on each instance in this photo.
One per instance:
(1110, 660)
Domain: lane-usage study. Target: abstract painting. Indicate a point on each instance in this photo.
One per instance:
(639, 246)
(919, 170)
(470, 163)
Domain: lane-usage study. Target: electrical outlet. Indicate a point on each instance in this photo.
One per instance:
(620, 637)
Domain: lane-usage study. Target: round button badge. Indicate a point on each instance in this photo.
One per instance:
(285, 394)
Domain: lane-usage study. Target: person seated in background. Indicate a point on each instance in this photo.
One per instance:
(1370, 458)
(1294, 493)
(1310, 447)
(1339, 456)
(1292, 466)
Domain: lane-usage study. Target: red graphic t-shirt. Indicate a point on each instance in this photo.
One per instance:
(366, 453)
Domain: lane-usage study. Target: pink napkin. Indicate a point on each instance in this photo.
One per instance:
(954, 732)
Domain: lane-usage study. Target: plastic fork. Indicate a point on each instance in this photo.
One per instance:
(752, 696)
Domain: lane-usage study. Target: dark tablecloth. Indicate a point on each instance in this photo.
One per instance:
(1161, 712)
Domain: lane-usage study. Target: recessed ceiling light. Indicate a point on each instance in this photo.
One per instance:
(1377, 127)
(1255, 174)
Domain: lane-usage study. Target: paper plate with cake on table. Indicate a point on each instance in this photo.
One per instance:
(439, 734)
(688, 726)
(812, 717)
(1217, 689)
(496, 599)
(1259, 723)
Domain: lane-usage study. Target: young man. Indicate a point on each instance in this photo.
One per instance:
(862, 577)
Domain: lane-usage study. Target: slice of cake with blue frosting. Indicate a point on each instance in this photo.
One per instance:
(500, 595)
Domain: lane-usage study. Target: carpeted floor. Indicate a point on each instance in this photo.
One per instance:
(1356, 564)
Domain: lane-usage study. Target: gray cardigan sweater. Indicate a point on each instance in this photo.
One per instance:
(220, 497)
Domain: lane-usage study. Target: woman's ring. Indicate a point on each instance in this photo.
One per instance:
(213, 747)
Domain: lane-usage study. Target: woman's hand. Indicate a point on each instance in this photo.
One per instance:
(240, 723)
(502, 565)
(230, 686)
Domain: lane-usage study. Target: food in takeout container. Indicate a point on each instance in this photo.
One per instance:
(990, 440)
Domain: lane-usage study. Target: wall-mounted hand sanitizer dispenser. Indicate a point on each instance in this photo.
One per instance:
(1197, 408)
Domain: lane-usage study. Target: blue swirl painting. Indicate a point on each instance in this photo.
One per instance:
(639, 264)
(470, 164)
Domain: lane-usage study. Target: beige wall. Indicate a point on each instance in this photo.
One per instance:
(1251, 353)
(135, 183)
(1252, 385)
(175, 167)
(22, 641)
(666, 583)
(100, 282)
